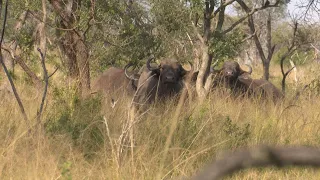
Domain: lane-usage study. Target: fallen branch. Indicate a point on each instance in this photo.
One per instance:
(260, 157)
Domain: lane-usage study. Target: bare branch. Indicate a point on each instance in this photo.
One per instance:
(249, 13)
(46, 80)
(249, 37)
(225, 4)
(290, 50)
(23, 65)
(197, 33)
(256, 39)
(315, 47)
(25, 117)
(290, 70)
(260, 157)
(221, 16)
(53, 72)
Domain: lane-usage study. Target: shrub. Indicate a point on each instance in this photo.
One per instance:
(80, 120)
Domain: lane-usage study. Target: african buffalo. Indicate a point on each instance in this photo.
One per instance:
(115, 80)
(228, 77)
(261, 87)
(160, 82)
(240, 83)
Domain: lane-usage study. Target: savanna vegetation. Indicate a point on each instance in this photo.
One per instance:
(54, 49)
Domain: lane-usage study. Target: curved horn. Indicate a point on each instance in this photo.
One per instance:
(126, 73)
(185, 72)
(250, 68)
(148, 65)
(191, 69)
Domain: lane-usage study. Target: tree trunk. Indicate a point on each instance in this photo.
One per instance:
(7, 58)
(202, 72)
(266, 62)
(202, 81)
(72, 44)
(266, 66)
(83, 64)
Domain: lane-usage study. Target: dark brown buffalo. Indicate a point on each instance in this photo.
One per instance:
(116, 80)
(240, 83)
(160, 82)
(262, 88)
(228, 77)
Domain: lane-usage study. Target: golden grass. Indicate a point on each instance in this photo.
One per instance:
(202, 134)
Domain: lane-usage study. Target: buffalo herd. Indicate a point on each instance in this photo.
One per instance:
(231, 76)
(168, 78)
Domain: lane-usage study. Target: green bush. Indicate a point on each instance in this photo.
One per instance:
(80, 120)
(226, 46)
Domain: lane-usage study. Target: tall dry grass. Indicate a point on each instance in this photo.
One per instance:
(89, 140)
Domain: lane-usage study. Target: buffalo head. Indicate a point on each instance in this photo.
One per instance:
(232, 70)
(168, 72)
(229, 74)
(160, 81)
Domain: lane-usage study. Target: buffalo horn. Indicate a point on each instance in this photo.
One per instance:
(148, 65)
(250, 68)
(126, 73)
(191, 65)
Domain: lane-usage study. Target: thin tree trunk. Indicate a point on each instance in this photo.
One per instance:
(202, 72)
(266, 63)
(206, 58)
(83, 63)
(72, 44)
(266, 69)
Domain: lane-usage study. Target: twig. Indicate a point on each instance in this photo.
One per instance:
(53, 73)
(249, 37)
(248, 13)
(46, 80)
(25, 117)
(261, 157)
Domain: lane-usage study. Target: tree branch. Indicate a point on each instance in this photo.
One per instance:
(256, 39)
(249, 13)
(249, 37)
(290, 50)
(223, 5)
(53, 72)
(197, 33)
(221, 16)
(46, 80)
(25, 117)
(23, 65)
(260, 157)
